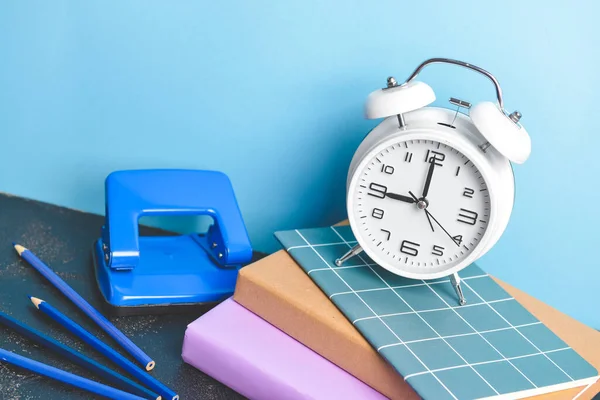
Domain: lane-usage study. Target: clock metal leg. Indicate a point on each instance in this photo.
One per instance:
(455, 280)
(351, 253)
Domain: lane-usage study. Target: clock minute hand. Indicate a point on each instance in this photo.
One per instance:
(428, 179)
(395, 196)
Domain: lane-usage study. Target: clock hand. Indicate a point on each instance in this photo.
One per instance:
(400, 197)
(428, 214)
(428, 179)
(436, 221)
(429, 219)
(422, 205)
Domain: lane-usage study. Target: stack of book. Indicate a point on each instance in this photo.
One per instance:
(291, 333)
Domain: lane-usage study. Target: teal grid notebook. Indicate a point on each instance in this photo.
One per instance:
(491, 347)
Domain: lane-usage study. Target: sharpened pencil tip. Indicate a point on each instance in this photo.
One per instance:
(20, 249)
(36, 302)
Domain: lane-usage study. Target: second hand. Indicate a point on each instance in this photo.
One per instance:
(428, 214)
(436, 221)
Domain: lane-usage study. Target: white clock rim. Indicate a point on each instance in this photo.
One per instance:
(457, 142)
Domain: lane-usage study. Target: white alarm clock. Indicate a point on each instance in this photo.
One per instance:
(430, 190)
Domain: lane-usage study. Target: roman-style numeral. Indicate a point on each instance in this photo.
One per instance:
(467, 217)
(468, 193)
(438, 251)
(377, 213)
(408, 157)
(388, 233)
(410, 248)
(379, 191)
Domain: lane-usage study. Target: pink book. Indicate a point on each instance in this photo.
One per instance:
(246, 353)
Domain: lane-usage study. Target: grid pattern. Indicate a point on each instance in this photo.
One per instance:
(492, 346)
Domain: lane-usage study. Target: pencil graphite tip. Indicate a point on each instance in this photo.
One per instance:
(36, 302)
(20, 249)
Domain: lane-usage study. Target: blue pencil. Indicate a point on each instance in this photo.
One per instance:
(108, 352)
(86, 307)
(66, 377)
(78, 358)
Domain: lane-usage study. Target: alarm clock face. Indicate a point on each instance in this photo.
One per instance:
(419, 207)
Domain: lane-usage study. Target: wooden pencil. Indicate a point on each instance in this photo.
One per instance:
(77, 358)
(66, 377)
(86, 307)
(107, 351)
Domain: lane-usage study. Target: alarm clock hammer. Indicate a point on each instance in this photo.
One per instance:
(467, 150)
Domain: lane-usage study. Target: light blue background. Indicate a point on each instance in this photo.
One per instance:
(272, 94)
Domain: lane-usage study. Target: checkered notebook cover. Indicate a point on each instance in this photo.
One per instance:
(491, 347)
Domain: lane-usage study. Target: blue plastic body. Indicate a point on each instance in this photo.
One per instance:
(169, 270)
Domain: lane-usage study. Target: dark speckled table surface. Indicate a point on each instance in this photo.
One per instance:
(63, 238)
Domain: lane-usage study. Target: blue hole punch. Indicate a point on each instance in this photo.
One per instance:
(138, 275)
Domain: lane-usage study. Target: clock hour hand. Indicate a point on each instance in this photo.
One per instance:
(395, 196)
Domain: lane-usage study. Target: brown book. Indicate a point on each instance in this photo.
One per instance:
(279, 291)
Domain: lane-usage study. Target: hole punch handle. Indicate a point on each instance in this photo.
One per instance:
(133, 194)
(464, 65)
